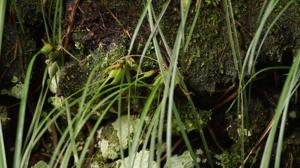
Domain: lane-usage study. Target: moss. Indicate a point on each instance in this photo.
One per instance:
(115, 52)
(284, 41)
(74, 75)
(98, 161)
(208, 63)
(208, 60)
(229, 159)
(192, 120)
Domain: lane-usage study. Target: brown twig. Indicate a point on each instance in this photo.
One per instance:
(118, 21)
(71, 9)
(214, 138)
(262, 137)
(245, 29)
(54, 135)
(227, 100)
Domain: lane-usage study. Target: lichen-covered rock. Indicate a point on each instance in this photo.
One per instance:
(115, 137)
(40, 164)
(141, 161)
(208, 63)
(208, 60)
(282, 41)
(74, 75)
(192, 120)
(184, 160)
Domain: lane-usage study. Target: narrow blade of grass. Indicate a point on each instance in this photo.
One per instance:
(286, 93)
(21, 115)
(2, 18)
(2, 146)
(138, 26)
(140, 125)
(3, 162)
(185, 137)
(189, 37)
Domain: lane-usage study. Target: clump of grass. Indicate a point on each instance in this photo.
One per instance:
(290, 86)
(119, 84)
(248, 67)
(22, 110)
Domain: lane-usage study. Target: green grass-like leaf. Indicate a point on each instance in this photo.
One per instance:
(290, 84)
(22, 112)
(3, 162)
(2, 18)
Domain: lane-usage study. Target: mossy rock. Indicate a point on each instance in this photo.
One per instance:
(208, 64)
(74, 75)
(283, 40)
(208, 60)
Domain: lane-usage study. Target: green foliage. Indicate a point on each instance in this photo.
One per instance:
(109, 83)
(290, 85)
(21, 115)
(46, 49)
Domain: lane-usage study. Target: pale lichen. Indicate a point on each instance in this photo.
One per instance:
(40, 164)
(56, 101)
(115, 137)
(15, 91)
(124, 127)
(4, 115)
(142, 160)
(184, 160)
